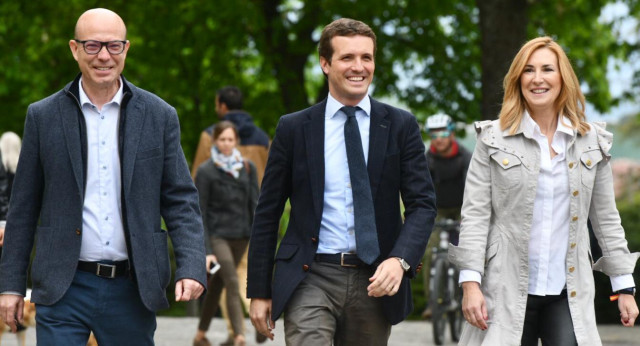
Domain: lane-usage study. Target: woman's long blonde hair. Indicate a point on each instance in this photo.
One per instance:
(570, 101)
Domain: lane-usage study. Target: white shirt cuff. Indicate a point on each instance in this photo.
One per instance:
(12, 293)
(469, 275)
(619, 282)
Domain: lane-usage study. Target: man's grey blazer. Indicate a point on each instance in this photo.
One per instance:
(48, 194)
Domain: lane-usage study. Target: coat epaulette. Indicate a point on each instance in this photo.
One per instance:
(605, 138)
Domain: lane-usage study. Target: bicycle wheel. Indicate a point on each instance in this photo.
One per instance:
(455, 316)
(439, 300)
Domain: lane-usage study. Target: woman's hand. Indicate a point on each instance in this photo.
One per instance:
(628, 310)
(211, 259)
(473, 305)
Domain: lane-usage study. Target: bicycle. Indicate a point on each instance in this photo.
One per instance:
(445, 297)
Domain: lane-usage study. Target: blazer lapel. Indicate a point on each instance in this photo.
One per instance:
(378, 139)
(133, 121)
(71, 128)
(314, 142)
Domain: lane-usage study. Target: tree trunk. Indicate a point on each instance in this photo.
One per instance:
(503, 30)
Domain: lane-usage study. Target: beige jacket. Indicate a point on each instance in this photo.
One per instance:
(496, 220)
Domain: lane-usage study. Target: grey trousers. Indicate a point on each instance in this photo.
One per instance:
(548, 318)
(331, 306)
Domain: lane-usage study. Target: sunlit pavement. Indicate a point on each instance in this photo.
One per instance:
(178, 331)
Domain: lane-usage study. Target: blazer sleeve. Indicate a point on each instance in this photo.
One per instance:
(276, 189)
(23, 212)
(203, 184)
(180, 208)
(418, 196)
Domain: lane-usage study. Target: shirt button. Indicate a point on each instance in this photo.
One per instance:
(575, 193)
(106, 218)
(103, 142)
(573, 294)
(104, 167)
(107, 243)
(102, 117)
(305, 267)
(571, 269)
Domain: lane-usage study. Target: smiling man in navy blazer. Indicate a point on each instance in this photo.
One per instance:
(343, 267)
(101, 163)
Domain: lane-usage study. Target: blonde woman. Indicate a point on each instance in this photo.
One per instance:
(536, 176)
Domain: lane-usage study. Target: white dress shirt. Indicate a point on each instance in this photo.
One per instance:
(549, 234)
(102, 232)
(337, 226)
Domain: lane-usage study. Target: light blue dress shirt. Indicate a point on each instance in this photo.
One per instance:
(336, 228)
(102, 232)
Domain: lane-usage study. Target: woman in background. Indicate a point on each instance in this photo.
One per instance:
(537, 174)
(228, 189)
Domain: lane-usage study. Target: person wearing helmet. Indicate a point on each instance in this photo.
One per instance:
(448, 164)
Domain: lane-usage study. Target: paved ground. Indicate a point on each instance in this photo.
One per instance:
(179, 331)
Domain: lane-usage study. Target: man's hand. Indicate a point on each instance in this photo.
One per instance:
(1, 236)
(474, 307)
(628, 310)
(387, 278)
(11, 310)
(188, 289)
(260, 313)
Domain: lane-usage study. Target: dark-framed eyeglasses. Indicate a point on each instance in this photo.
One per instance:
(93, 47)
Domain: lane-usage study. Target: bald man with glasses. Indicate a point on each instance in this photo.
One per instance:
(101, 165)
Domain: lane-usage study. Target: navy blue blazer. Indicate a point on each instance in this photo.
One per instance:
(48, 194)
(295, 170)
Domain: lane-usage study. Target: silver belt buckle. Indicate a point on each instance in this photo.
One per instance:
(107, 267)
(342, 261)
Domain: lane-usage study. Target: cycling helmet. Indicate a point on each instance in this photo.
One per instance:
(439, 121)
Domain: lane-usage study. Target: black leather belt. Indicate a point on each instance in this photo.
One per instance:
(105, 270)
(343, 259)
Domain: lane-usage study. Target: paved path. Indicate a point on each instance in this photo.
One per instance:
(179, 331)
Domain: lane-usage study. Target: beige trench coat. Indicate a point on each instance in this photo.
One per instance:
(496, 220)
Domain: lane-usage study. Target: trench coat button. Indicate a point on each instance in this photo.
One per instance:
(314, 239)
(571, 269)
(570, 164)
(575, 193)
(305, 267)
(573, 245)
(573, 293)
(588, 162)
(505, 162)
(575, 218)
(78, 231)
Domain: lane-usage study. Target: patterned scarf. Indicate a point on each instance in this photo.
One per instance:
(231, 164)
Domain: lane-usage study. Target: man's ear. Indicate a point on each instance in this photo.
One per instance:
(325, 64)
(73, 45)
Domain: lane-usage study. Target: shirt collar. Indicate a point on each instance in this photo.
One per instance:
(529, 126)
(333, 106)
(117, 98)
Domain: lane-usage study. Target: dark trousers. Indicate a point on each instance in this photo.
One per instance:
(111, 308)
(229, 252)
(548, 318)
(331, 306)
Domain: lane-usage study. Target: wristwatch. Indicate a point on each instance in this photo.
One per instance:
(630, 290)
(404, 264)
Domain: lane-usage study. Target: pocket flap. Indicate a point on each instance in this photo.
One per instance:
(286, 251)
(504, 159)
(591, 158)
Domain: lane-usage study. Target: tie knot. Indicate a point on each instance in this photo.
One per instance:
(350, 111)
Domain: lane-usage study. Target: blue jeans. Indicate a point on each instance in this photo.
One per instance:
(110, 308)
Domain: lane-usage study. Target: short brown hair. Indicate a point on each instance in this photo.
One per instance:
(570, 101)
(223, 125)
(343, 27)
